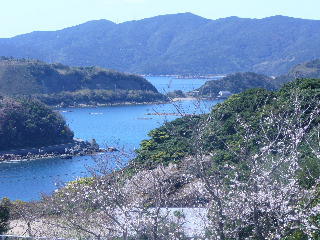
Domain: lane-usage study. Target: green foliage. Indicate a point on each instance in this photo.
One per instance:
(4, 215)
(224, 129)
(96, 97)
(27, 77)
(236, 83)
(236, 131)
(299, 235)
(309, 88)
(28, 123)
(239, 82)
(169, 143)
(306, 70)
(223, 135)
(82, 181)
(57, 84)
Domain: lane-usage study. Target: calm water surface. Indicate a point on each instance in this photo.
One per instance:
(118, 126)
(169, 84)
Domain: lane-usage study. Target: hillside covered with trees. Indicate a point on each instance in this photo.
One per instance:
(309, 69)
(26, 123)
(234, 83)
(249, 106)
(239, 82)
(176, 44)
(251, 164)
(255, 153)
(56, 84)
(253, 160)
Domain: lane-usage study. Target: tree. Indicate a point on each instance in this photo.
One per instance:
(28, 123)
(261, 195)
(110, 205)
(4, 215)
(254, 159)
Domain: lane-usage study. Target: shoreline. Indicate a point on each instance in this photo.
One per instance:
(185, 99)
(63, 151)
(187, 76)
(59, 107)
(83, 148)
(48, 156)
(82, 105)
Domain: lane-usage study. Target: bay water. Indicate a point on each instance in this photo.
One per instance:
(121, 126)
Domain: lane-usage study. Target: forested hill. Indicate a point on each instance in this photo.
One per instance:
(309, 69)
(178, 43)
(239, 82)
(27, 123)
(258, 147)
(235, 83)
(19, 76)
(221, 128)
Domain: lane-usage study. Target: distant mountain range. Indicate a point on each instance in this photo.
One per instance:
(177, 44)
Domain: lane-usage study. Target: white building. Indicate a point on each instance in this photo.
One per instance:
(224, 94)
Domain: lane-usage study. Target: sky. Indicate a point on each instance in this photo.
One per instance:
(24, 16)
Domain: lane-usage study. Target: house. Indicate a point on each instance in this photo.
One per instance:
(224, 94)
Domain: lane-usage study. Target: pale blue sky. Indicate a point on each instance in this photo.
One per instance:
(22, 16)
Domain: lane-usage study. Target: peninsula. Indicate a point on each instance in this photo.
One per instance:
(62, 86)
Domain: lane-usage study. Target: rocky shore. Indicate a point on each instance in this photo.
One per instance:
(92, 105)
(77, 147)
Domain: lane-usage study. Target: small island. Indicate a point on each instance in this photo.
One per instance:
(31, 130)
(232, 84)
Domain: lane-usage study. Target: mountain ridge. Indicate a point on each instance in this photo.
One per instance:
(163, 15)
(176, 44)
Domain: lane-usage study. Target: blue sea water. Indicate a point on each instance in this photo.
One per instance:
(169, 84)
(118, 126)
